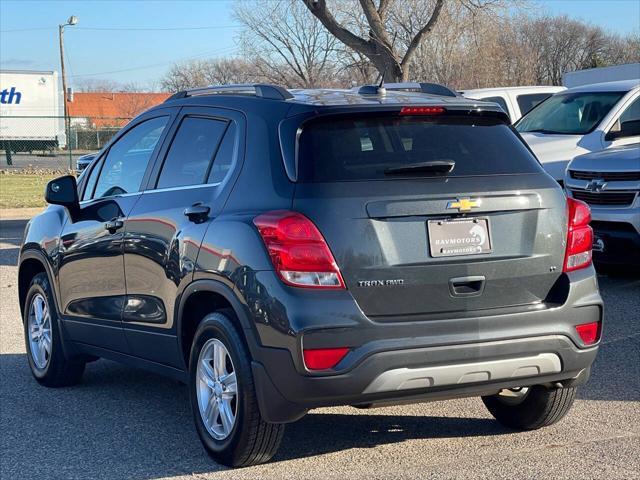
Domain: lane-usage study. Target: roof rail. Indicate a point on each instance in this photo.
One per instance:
(262, 90)
(422, 87)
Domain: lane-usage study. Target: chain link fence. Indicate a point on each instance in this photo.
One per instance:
(34, 143)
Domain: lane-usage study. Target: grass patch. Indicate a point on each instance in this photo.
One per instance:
(22, 190)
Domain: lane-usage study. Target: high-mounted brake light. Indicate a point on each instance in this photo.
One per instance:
(323, 358)
(579, 236)
(298, 251)
(422, 110)
(589, 332)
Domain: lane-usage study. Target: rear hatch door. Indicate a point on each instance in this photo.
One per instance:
(413, 239)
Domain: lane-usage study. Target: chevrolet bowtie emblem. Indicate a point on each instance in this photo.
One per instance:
(463, 204)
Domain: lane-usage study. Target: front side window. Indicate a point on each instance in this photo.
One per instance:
(569, 113)
(127, 159)
(527, 101)
(191, 152)
(632, 113)
(500, 101)
(91, 181)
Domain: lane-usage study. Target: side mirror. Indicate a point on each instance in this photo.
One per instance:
(63, 191)
(627, 129)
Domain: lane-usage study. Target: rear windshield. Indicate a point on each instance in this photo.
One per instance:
(363, 148)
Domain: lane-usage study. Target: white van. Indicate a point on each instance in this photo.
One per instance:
(580, 120)
(515, 101)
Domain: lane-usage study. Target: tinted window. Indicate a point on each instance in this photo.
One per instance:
(632, 113)
(225, 156)
(91, 181)
(569, 113)
(127, 160)
(350, 149)
(500, 101)
(191, 152)
(528, 101)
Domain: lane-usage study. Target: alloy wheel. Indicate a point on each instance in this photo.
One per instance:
(40, 343)
(217, 389)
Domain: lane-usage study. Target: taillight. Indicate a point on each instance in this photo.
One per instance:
(298, 250)
(323, 358)
(579, 236)
(589, 332)
(422, 110)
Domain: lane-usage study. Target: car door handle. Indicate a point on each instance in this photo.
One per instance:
(114, 225)
(197, 212)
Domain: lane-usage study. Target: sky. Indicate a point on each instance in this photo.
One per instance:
(138, 40)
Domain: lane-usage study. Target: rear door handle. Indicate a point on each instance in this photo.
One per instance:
(197, 212)
(114, 225)
(466, 286)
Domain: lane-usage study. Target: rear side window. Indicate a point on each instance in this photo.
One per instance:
(528, 101)
(354, 149)
(225, 156)
(191, 152)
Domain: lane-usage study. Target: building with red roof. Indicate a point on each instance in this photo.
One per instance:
(110, 109)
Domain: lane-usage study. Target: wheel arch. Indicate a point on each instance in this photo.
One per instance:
(33, 262)
(202, 297)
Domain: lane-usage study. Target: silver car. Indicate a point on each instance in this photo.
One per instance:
(609, 181)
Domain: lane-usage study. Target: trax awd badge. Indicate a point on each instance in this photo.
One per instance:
(463, 204)
(381, 283)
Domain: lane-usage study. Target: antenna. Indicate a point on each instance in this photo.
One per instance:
(381, 89)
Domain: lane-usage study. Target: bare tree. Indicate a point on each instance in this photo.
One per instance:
(200, 73)
(96, 85)
(386, 21)
(287, 45)
(89, 85)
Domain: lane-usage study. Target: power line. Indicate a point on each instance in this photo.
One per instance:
(14, 30)
(145, 67)
(155, 29)
(127, 29)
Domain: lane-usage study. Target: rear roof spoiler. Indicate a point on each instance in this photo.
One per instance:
(422, 87)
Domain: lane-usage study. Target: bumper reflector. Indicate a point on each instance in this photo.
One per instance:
(323, 358)
(589, 332)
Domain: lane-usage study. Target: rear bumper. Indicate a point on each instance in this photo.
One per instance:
(401, 375)
(418, 360)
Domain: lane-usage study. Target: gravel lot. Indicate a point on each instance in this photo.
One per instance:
(125, 423)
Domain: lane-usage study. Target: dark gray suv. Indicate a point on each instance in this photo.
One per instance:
(281, 250)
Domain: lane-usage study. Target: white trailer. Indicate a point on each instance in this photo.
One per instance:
(31, 111)
(629, 71)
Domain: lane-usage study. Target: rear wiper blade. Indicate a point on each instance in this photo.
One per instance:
(435, 167)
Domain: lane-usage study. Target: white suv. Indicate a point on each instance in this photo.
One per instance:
(515, 101)
(583, 119)
(609, 181)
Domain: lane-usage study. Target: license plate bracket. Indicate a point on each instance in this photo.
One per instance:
(459, 237)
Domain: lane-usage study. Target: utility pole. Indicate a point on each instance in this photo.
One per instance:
(67, 123)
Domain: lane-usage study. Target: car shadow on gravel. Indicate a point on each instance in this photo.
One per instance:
(321, 433)
(126, 423)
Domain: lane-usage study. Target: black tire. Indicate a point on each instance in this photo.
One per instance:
(540, 407)
(252, 440)
(59, 370)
